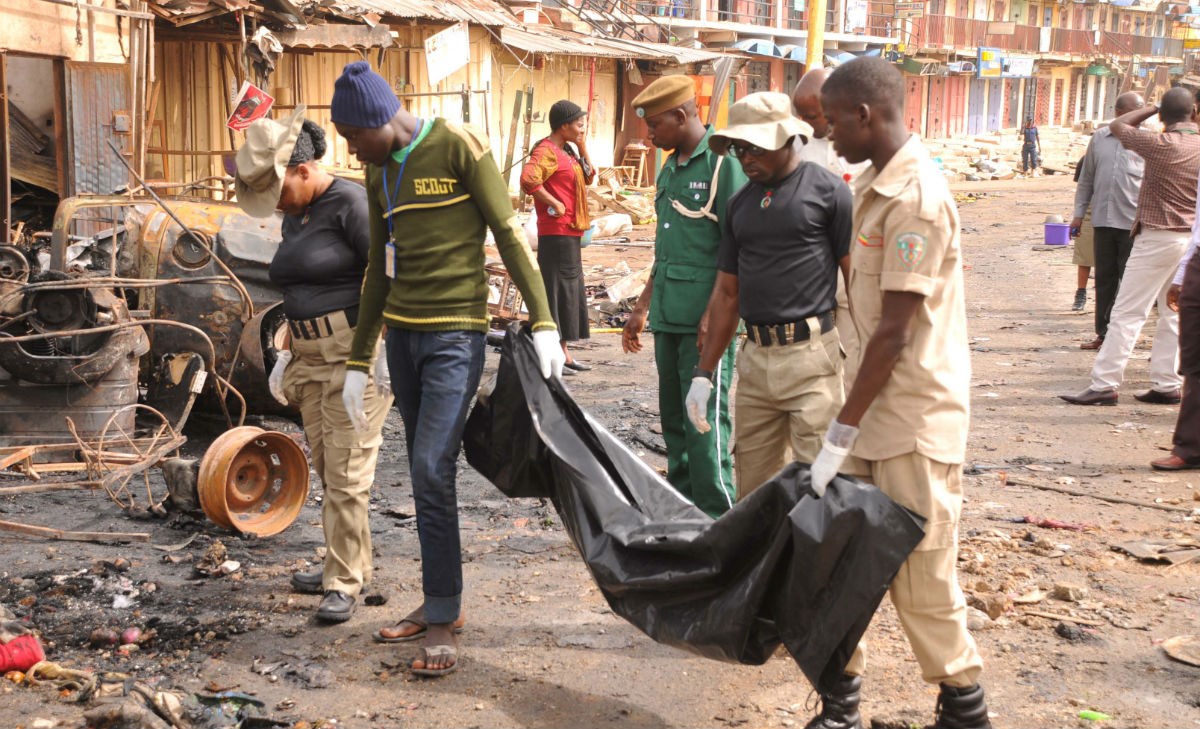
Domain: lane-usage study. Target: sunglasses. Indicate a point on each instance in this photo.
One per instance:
(739, 150)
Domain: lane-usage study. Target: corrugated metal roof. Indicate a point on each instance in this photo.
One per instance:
(481, 12)
(292, 14)
(548, 40)
(551, 41)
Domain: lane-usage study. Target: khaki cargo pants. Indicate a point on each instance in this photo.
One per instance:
(785, 399)
(342, 457)
(926, 593)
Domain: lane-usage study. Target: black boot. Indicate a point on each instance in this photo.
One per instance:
(839, 707)
(961, 708)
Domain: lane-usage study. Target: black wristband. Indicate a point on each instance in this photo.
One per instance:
(706, 374)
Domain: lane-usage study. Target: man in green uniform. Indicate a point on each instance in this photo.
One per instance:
(691, 191)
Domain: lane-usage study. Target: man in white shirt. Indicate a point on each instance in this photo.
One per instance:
(806, 104)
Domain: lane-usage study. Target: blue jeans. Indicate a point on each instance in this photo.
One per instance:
(1029, 158)
(434, 377)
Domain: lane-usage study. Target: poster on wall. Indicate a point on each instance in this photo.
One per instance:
(447, 51)
(994, 63)
(856, 16)
(251, 103)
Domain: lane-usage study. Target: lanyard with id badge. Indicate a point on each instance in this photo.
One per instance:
(390, 250)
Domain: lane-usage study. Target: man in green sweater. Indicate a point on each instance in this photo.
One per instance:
(433, 189)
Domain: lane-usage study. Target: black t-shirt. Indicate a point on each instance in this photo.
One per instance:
(321, 260)
(785, 255)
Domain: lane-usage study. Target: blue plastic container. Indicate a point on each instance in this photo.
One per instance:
(1058, 234)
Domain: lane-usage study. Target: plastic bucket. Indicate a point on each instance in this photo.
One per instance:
(1057, 234)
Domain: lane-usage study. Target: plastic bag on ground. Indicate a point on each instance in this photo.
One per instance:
(780, 567)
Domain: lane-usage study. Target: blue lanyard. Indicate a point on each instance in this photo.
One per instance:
(387, 191)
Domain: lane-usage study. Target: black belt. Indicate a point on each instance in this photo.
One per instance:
(767, 335)
(321, 326)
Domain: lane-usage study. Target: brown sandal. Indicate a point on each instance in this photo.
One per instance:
(422, 628)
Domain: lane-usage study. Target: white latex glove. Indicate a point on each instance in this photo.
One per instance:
(382, 373)
(275, 380)
(352, 398)
(838, 441)
(551, 357)
(696, 403)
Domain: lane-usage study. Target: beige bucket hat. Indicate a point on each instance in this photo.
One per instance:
(763, 119)
(262, 162)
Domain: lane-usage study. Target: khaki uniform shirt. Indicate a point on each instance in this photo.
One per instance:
(907, 239)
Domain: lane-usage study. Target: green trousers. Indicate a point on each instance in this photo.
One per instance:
(699, 465)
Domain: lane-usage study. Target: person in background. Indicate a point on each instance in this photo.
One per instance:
(806, 104)
(786, 236)
(557, 176)
(1084, 253)
(692, 191)
(433, 190)
(319, 266)
(1031, 147)
(1184, 297)
(1166, 211)
(907, 412)
(1109, 177)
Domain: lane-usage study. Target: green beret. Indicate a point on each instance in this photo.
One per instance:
(664, 94)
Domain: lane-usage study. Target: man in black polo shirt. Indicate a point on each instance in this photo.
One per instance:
(785, 234)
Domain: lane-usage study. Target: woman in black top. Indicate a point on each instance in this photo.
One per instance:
(319, 267)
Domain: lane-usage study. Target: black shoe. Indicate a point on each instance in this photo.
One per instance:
(961, 708)
(335, 607)
(1080, 300)
(1158, 397)
(1092, 397)
(839, 706)
(577, 366)
(307, 582)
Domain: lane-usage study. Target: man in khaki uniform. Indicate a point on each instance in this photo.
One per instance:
(906, 413)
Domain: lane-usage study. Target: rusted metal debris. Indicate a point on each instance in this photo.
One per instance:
(253, 481)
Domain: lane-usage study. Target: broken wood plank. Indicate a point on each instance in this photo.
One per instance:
(102, 537)
(17, 456)
(45, 487)
(1059, 616)
(1111, 499)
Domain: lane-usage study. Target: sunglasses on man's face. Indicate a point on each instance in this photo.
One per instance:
(740, 150)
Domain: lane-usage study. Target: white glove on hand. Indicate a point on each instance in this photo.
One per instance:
(275, 380)
(551, 357)
(382, 373)
(838, 441)
(696, 403)
(352, 399)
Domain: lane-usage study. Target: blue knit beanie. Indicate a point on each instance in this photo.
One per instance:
(362, 98)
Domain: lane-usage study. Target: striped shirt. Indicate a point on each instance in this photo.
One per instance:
(1167, 200)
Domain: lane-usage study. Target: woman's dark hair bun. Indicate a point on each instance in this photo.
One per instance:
(317, 134)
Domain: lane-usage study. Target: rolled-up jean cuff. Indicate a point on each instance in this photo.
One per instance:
(441, 610)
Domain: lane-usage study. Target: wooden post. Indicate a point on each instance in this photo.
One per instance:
(5, 156)
(815, 55)
(512, 135)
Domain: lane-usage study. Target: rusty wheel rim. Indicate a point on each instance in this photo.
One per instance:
(253, 481)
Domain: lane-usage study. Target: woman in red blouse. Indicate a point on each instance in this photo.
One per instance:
(557, 177)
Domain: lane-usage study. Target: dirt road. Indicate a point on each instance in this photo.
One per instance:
(542, 650)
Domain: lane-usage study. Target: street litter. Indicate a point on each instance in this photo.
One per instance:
(1183, 648)
(1164, 552)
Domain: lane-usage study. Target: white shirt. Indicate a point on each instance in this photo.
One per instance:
(821, 152)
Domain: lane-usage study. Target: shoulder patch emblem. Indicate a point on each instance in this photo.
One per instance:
(910, 249)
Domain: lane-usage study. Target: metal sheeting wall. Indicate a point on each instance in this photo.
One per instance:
(561, 77)
(195, 94)
(94, 92)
